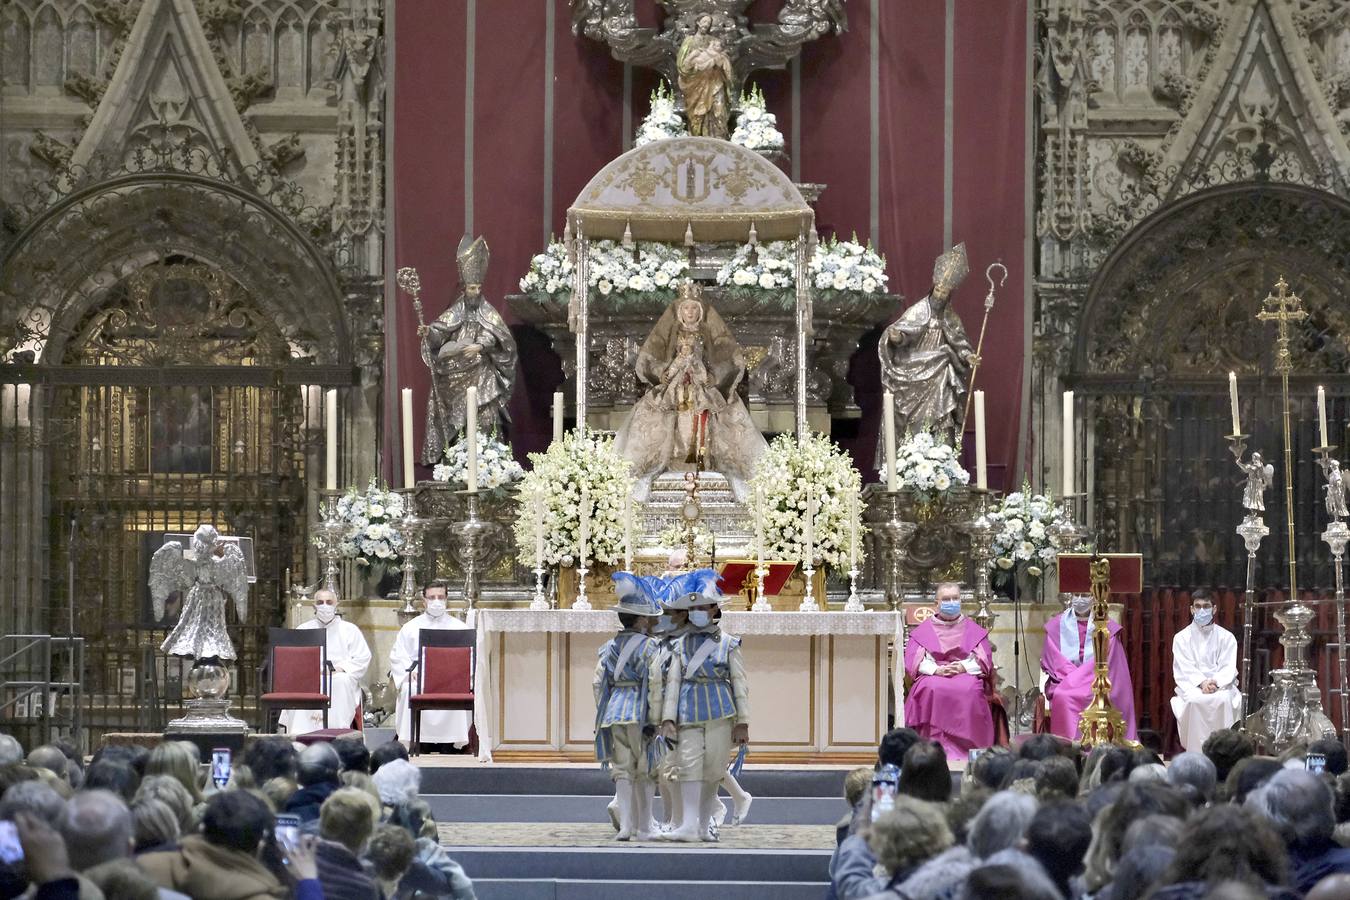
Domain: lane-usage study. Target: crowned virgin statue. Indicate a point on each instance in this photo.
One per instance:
(691, 417)
(926, 357)
(467, 346)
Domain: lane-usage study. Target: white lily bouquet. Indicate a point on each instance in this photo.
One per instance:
(756, 127)
(926, 466)
(497, 467)
(614, 273)
(836, 268)
(786, 476)
(1023, 526)
(549, 502)
(664, 121)
(371, 539)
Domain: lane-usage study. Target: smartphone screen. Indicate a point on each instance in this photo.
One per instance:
(220, 767)
(11, 851)
(1315, 762)
(975, 754)
(288, 833)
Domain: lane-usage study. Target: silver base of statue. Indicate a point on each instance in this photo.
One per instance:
(727, 520)
(208, 712)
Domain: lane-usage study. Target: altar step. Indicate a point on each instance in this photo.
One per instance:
(582, 809)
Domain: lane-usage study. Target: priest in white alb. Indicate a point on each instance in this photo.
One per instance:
(439, 726)
(349, 656)
(1204, 666)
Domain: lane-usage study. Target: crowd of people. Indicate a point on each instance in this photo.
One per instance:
(1049, 822)
(141, 824)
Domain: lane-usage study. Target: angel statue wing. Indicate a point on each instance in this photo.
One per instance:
(169, 572)
(232, 578)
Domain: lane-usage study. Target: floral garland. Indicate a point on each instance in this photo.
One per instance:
(1023, 526)
(756, 127)
(664, 121)
(556, 477)
(497, 468)
(836, 268)
(782, 477)
(653, 275)
(371, 538)
(926, 466)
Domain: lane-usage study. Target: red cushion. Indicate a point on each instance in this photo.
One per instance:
(297, 670)
(446, 670)
(318, 737)
(442, 698)
(295, 697)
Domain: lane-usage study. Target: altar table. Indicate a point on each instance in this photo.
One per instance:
(820, 683)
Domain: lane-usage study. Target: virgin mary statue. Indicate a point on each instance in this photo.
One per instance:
(691, 417)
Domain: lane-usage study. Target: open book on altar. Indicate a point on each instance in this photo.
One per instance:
(738, 577)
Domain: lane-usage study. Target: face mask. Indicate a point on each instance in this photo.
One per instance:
(436, 608)
(1203, 617)
(700, 618)
(949, 609)
(663, 624)
(325, 612)
(1081, 605)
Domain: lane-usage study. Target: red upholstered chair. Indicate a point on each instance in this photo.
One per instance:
(442, 678)
(296, 672)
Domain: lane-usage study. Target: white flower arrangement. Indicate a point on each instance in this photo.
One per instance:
(673, 538)
(372, 539)
(836, 267)
(557, 476)
(783, 475)
(497, 468)
(654, 274)
(926, 466)
(756, 127)
(1023, 526)
(664, 121)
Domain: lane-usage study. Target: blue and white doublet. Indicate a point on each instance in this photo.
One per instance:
(626, 700)
(706, 693)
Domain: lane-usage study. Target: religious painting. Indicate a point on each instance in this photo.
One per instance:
(181, 428)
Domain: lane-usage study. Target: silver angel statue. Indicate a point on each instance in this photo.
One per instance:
(468, 345)
(926, 357)
(1260, 475)
(212, 572)
(1335, 490)
(691, 416)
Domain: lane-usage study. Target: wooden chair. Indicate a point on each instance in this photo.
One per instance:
(444, 678)
(296, 672)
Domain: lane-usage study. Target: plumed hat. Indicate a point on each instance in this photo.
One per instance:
(951, 268)
(635, 595)
(472, 259)
(696, 588)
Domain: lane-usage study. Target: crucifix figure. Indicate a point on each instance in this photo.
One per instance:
(1282, 308)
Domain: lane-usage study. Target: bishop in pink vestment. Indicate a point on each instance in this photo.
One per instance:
(950, 663)
(1068, 661)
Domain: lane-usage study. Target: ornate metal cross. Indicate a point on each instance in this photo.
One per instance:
(1282, 308)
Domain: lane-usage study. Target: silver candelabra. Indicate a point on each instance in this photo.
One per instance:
(1337, 536)
(1252, 530)
(412, 528)
(471, 538)
(982, 549)
(898, 534)
(328, 537)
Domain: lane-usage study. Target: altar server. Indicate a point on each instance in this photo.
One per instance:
(628, 696)
(950, 663)
(441, 726)
(349, 656)
(707, 704)
(1204, 666)
(1069, 662)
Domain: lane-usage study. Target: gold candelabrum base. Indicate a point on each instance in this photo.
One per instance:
(1101, 722)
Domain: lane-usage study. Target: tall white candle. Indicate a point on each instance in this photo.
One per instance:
(471, 437)
(853, 531)
(981, 451)
(1322, 416)
(409, 477)
(539, 532)
(628, 534)
(557, 416)
(331, 444)
(1232, 401)
(1068, 444)
(759, 525)
(888, 424)
(584, 527)
(808, 529)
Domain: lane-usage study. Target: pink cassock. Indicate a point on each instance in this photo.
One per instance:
(952, 710)
(1069, 687)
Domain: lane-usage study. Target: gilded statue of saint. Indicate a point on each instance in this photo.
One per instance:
(468, 345)
(691, 416)
(926, 357)
(705, 78)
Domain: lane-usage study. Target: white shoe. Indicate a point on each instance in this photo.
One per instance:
(718, 814)
(613, 810)
(646, 827)
(624, 799)
(742, 809)
(689, 831)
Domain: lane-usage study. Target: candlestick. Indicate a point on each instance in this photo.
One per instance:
(331, 445)
(808, 530)
(1233, 402)
(628, 534)
(409, 478)
(539, 602)
(583, 532)
(759, 525)
(888, 420)
(808, 603)
(471, 436)
(981, 451)
(1322, 415)
(557, 416)
(1066, 487)
(853, 531)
